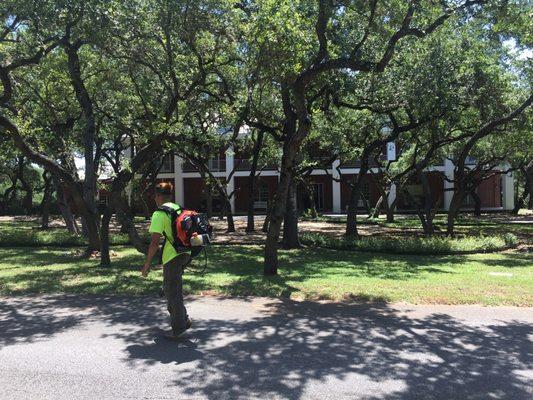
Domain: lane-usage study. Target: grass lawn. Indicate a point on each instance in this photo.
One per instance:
(489, 279)
(25, 233)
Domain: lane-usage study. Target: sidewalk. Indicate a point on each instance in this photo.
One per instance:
(104, 347)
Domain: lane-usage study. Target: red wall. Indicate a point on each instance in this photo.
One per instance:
(242, 190)
(489, 191)
(193, 189)
(327, 183)
(436, 186)
(345, 190)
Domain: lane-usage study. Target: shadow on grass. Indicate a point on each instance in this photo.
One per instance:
(245, 267)
(511, 260)
(232, 270)
(55, 271)
(365, 351)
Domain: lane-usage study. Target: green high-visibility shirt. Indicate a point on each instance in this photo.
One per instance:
(161, 224)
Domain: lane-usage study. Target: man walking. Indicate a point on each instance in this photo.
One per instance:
(173, 261)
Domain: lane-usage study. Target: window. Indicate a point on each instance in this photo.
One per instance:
(318, 195)
(365, 194)
(217, 164)
(470, 160)
(261, 198)
(468, 201)
(412, 195)
(168, 163)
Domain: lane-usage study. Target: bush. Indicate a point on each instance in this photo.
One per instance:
(510, 239)
(414, 245)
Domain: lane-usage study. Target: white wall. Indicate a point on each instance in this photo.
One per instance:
(507, 190)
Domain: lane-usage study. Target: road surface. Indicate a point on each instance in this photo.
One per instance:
(105, 347)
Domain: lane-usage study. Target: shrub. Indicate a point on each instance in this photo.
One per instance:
(412, 245)
(510, 239)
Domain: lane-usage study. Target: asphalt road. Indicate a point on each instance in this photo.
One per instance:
(65, 347)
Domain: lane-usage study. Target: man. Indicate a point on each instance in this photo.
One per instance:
(173, 262)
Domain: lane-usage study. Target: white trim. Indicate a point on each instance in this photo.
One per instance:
(165, 175)
(321, 172)
(178, 181)
(447, 169)
(230, 183)
(392, 194)
(507, 182)
(448, 194)
(336, 187)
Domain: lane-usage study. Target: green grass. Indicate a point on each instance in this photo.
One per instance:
(25, 234)
(489, 279)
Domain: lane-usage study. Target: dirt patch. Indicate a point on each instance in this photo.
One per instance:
(335, 229)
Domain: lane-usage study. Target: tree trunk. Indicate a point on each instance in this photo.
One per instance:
(88, 194)
(455, 205)
(47, 197)
(291, 239)
(355, 195)
(64, 208)
(119, 204)
(229, 216)
(226, 209)
(351, 216)
(382, 202)
(222, 211)
(7, 198)
(529, 184)
(91, 222)
(250, 214)
(274, 227)
(477, 203)
(427, 220)
(293, 137)
(250, 222)
(375, 213)
(521, 199)
(390, 210)
(519, 203)
(277, 213)
(266, 222)
(311, 199)
(27, 201)
(209, 202)
(366, 203)
(105, 259)
(84, 228)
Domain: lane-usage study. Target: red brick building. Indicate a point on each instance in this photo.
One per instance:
(331, 190)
